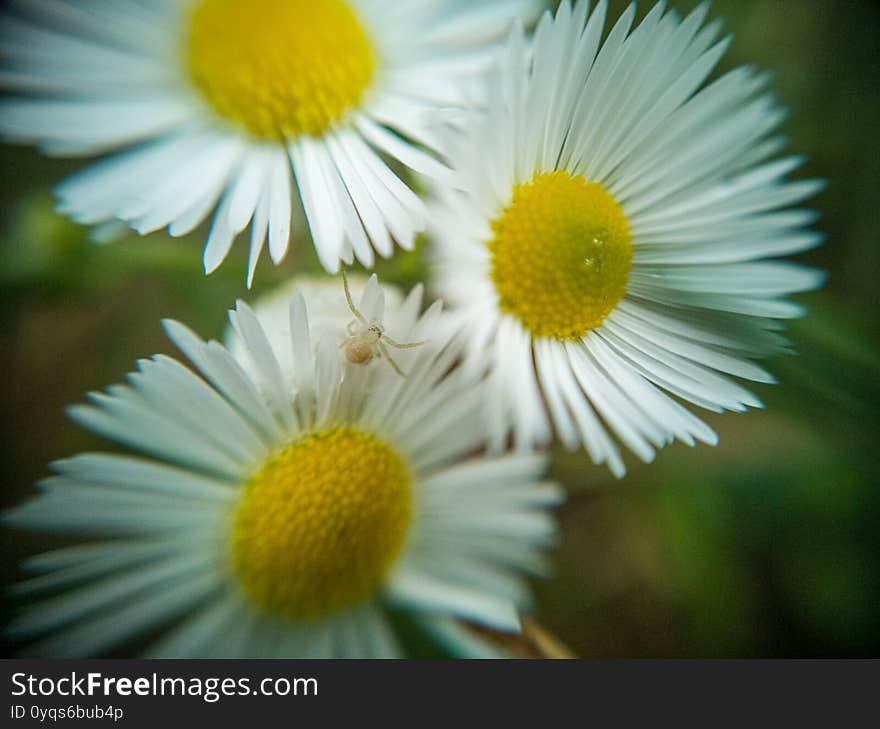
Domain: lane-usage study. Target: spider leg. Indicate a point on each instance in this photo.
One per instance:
(387, 356)
(397, 345)
(350, 328)
(360, 317)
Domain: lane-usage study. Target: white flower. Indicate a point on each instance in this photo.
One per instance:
(216, 100)
(607, 248)
(280, 519)
(329, 315)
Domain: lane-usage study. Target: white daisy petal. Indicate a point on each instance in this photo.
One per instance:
(457, 640)
(78, 128)
(392, 145)
(263, 358)
(210, 167)
(126, 472)
(319, 204)
(423, 592)
(379, 640)
(100, 633)
(195, 636)
(129, 422)
(99, 596)
(227, 376)
(259, 231)
(364, 203)
(74, 565)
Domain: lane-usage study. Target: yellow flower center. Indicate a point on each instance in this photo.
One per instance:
(318, 527)
(279, 68)
(561, 255)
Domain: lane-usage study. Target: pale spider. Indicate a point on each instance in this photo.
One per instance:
(367, 339)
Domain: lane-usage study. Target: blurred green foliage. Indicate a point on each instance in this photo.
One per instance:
(764, 546)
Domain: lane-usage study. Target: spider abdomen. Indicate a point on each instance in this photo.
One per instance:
(358, 351)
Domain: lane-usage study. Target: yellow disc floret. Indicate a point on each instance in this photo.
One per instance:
(279, 68)
(318, 527)
(561, 255)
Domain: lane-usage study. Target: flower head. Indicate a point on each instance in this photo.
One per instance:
(604, 241)
(214, 103)
(280, 509)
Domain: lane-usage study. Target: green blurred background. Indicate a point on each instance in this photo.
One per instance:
(764, 546)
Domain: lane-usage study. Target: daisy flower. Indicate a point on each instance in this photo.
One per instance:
(276, 519)
(213, 103)
(329, 315)
(606, 255)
